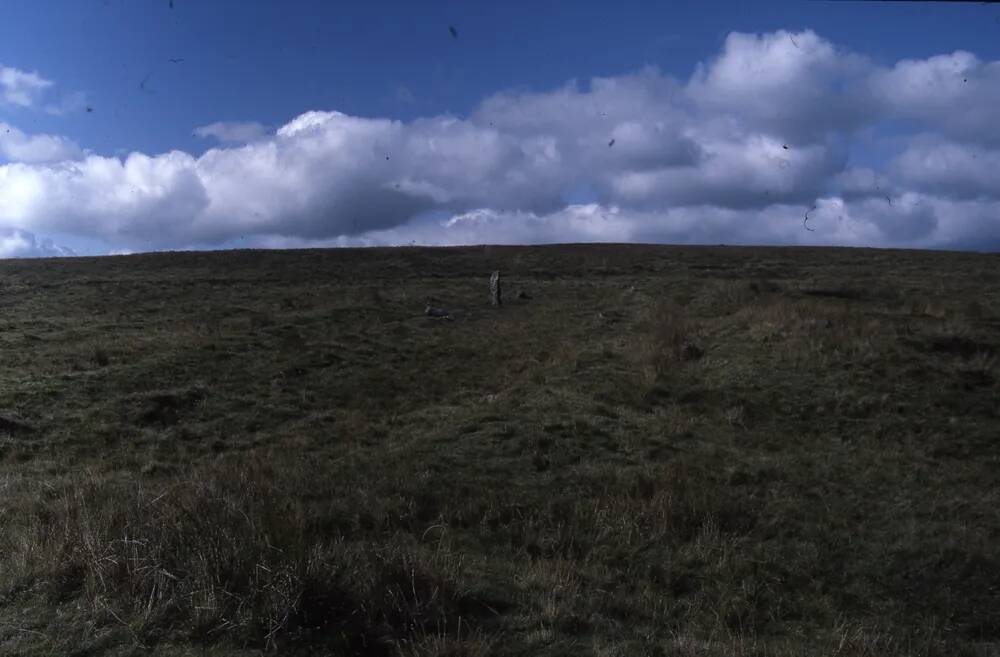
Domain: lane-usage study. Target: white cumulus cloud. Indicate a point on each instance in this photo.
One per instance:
(21, 88)
(797, 85)
(16, 146)
(948, 168)
(955, 95)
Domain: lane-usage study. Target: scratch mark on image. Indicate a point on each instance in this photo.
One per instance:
(142, 84)
(805, 222)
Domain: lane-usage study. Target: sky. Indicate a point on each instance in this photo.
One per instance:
(145, 125)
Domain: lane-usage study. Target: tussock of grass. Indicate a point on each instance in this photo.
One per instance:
(230, 554)
(670, 343)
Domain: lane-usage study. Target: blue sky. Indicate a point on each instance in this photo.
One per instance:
(89, 82)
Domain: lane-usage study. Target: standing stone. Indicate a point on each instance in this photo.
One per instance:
(496, 295)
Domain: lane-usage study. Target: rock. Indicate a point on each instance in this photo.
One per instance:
(496, 291)
(437, 313)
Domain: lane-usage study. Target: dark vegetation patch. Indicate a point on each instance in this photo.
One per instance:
(666, 451)
(959, 346)
(165, 408)
(14, 426)
(836, 293)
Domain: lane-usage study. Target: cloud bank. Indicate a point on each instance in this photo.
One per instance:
(22, 244)
(773, 126)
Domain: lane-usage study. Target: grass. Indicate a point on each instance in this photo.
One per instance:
(664, 451)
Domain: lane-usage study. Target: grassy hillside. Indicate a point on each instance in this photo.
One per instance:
(663, 451)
